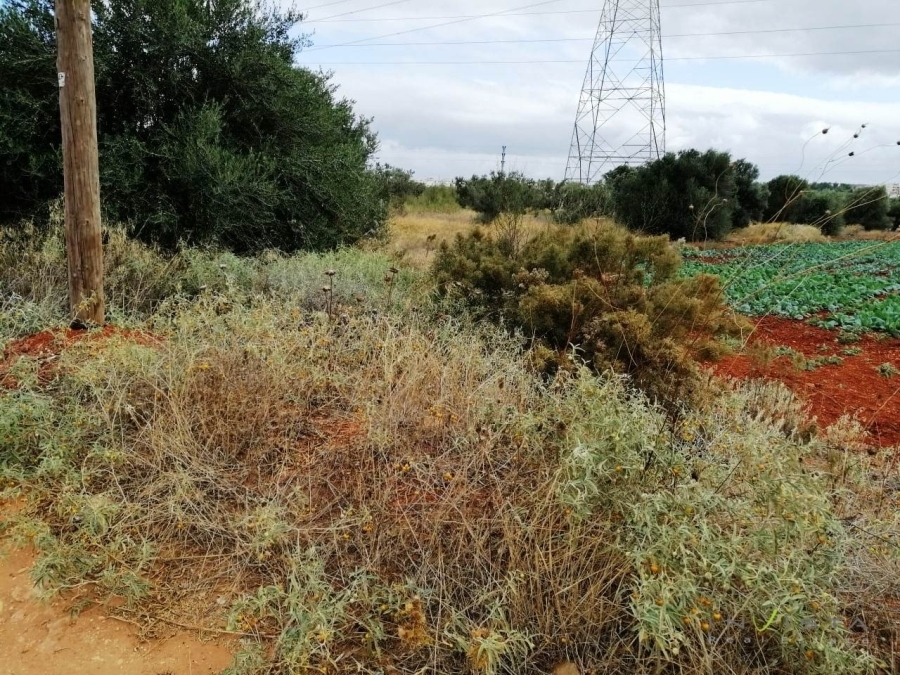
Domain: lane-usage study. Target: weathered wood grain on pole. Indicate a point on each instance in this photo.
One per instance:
(78, 110)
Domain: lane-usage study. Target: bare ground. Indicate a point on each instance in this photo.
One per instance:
(37, 638)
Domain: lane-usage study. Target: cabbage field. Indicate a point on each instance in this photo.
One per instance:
(848, 285)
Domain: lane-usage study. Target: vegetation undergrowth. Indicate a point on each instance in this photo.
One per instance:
(378, 487)
(33, 278)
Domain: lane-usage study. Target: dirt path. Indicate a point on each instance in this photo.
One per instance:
(40, 639)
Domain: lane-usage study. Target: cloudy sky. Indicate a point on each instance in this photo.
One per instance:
(447, 109)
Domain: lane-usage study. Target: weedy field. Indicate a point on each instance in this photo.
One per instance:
(341, 467)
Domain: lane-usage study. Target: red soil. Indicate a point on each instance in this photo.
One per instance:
(853, 388)
(47, 345)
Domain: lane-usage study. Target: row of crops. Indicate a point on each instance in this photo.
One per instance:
(850, 285)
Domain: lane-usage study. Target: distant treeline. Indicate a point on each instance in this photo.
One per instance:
(692, 194)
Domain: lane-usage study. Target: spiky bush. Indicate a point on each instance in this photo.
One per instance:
(612, 296)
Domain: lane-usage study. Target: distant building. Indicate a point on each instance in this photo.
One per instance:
(893, 190)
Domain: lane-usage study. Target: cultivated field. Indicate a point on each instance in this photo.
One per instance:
(852, 285)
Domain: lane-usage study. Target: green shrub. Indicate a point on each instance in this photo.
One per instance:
(784, 193)
(751, 196)
(611, 296)
(691, 195)
(209, 132)
(793, 200)
(397, 186)
(574, 202)
(894, 212)
(490, 196)
(869, 207)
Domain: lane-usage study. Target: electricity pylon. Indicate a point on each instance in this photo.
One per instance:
(622, 112)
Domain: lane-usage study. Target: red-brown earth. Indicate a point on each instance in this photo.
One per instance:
(854, 387)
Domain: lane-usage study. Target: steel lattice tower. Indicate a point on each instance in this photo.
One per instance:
(622, 112)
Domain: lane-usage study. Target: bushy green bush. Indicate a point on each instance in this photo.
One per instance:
(894, 212)
(751, 195)
(691, 195)
(823, 209)
(784, 193)
(573, 202)
(611, 296)
(489, 196)
(792, 200)
(515, 194)
(209, 133)
(869, 207)
(397, 186)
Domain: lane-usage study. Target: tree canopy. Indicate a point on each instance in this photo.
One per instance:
(691, 194)
(208, 131)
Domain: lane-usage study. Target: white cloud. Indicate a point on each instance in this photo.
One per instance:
(449, 120)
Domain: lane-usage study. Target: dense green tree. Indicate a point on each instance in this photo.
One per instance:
(208, 132)
(794, 200)
(692, 195)
(837, 187)
(497, 193)
(785, 193)
(750, 195)
(575, 202)
(397, 186)
(894, 212)
(512, 193)
(822, 208)
(30, 149)
(869, 207)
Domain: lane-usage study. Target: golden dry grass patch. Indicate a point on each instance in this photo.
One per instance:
(859, 233)
(771, 233)
(416, 236)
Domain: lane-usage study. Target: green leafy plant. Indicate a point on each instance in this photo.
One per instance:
(888, 370)
(853, 283)
(209, 132)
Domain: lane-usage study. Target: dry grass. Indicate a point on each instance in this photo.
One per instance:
(406, 459)
(415, 237)
(790, 233)
(859, 233)
(776, 233)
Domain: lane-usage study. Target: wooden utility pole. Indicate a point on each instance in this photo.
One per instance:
(78, 110)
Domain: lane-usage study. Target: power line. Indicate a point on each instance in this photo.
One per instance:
(555, 40)
(326, 4)
(364, 9)
(564, 61)
(514, 12)
(449, 23)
